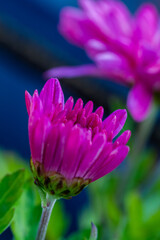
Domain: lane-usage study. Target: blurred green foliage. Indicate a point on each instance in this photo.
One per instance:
(27, 211)
(27, 214)
(10, 191)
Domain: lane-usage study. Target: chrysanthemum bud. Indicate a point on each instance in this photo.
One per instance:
(71, 146)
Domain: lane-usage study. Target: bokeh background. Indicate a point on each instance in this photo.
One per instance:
(30, 44)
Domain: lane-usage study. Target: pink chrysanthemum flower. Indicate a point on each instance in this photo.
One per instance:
(70, 144)
(123, 47)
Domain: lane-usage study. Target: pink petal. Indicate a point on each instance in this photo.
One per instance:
(83, 149)
(94, 47)
(78, 105)
(75, 26)
(92, 120)
(123, 138)
(109, 20)
(51, 95)
(50, 148)
(88, 108)
(28, 100)
(70, 72)
(139, 102)
(119, 18)
(147, 21)
(152, 75)
(99, 162)
(71, 151)
(109, 126)
(36, 106)
(94, 13)
(115, 67)
(38, 132)
(115, 14)
(64, 132)
(69, 104)
(148, 56)
(74, 153)
(114, 160)
(119, 118)
(100, 111)
(92, 154)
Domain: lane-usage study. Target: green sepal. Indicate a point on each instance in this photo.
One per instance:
(56, 184)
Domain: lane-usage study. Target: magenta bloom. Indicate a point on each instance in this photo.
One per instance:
(123, 47)
(70, 144)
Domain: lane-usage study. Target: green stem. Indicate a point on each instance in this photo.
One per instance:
(46, 213)
(139, 143)
(144, 131)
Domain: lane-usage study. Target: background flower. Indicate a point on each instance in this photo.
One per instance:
(123, 47)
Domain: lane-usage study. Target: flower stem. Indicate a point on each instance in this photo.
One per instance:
(46, 213)
(143, 134)
(140, 140)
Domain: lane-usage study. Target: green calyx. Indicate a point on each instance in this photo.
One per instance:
(56, 184)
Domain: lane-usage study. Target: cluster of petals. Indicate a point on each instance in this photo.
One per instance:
(122, 46)
(72, 140)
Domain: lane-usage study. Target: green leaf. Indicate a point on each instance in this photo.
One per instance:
(152, 225)
(80, 235)
(142, 170)
(135, 216)
(86, 216)
(27, 214)
(11, 162)
(6, 220)
(10, 191)
(151, 209)
(112, 211)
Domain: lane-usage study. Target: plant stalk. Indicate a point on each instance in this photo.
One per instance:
(142, 136)
(140, 140)
(45, 217)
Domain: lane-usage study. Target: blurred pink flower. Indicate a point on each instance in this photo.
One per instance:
(70, 145)
(123, 47)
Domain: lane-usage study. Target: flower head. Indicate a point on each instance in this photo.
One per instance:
(123, 47)
(70, 144)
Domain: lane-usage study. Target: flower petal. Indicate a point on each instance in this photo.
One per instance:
(139, 102)
(88, 108)
(114, 66)
(94, 47)
(73, 155)
(63, 136)
(28, 100)
(115, 14)
(123, 138)
(51, 95)
(36, 106)
(75, 26)
(99, 162)
(120, 117)
(70, 72)
(38, 132)
(114, 160)
(50, 148)
(92, 154)
(147, 21)
(100, 111)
